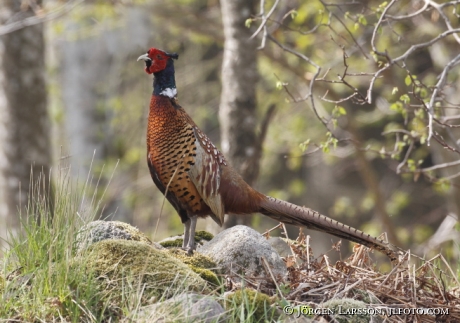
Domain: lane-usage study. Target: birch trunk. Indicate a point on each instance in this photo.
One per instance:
(237, 111)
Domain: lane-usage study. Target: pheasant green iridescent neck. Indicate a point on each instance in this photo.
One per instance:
(164, 82)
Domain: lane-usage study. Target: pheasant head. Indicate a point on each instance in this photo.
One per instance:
(160, 64)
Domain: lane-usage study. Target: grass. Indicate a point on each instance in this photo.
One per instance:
(43, 280)
(42, 283)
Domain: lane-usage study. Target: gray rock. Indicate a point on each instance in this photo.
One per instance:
(183, 308)
(103, 230)
(280, 246)
(240, 250)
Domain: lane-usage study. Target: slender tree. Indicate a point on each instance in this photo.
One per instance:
(25, 150)
(238, 102)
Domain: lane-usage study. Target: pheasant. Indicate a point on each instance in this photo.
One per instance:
(198, 181)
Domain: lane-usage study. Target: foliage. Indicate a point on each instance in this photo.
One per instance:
(380, 78)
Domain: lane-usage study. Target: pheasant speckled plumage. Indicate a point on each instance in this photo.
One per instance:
(197, 180)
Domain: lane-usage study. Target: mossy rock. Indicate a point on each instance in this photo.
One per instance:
(176, 241)
(201, 264)
(108, 230)
(256, 304)
(137, 264)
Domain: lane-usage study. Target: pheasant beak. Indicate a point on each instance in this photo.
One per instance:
(144, 57)
(148, 62)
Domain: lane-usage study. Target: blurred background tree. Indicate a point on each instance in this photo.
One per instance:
(25, 149)
(366, 93)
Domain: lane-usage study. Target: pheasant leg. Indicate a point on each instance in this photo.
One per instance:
(189, 235)
(186, 234)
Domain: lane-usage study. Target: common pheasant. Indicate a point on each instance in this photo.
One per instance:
(198, 181)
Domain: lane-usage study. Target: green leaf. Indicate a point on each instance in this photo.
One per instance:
(248, 22)
(397, 106)
(408, 80)
(382, 6)
(442, 186)
(395, 90)
(279, 85)
(405, 98)
(304, 145)
(339, 111)
(423, 92)
(294, 14)
(411, 165)
(362, 20)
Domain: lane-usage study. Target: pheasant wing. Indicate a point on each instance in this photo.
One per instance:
(206, 174)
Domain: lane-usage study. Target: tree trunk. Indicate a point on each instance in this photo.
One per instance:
(237, 112)
(24, 124)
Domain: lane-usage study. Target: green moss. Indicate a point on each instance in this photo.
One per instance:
(124, 263)
(172, 243)
(197, 259)
(177, 243)
(256, 304)
(203, 235)
(201, 264)
(207, 275)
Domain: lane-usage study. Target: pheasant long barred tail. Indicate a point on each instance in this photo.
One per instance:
(301, 216)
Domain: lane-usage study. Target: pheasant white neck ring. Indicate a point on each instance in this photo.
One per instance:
(169, 92)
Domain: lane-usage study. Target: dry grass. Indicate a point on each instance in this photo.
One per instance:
(409, 288)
